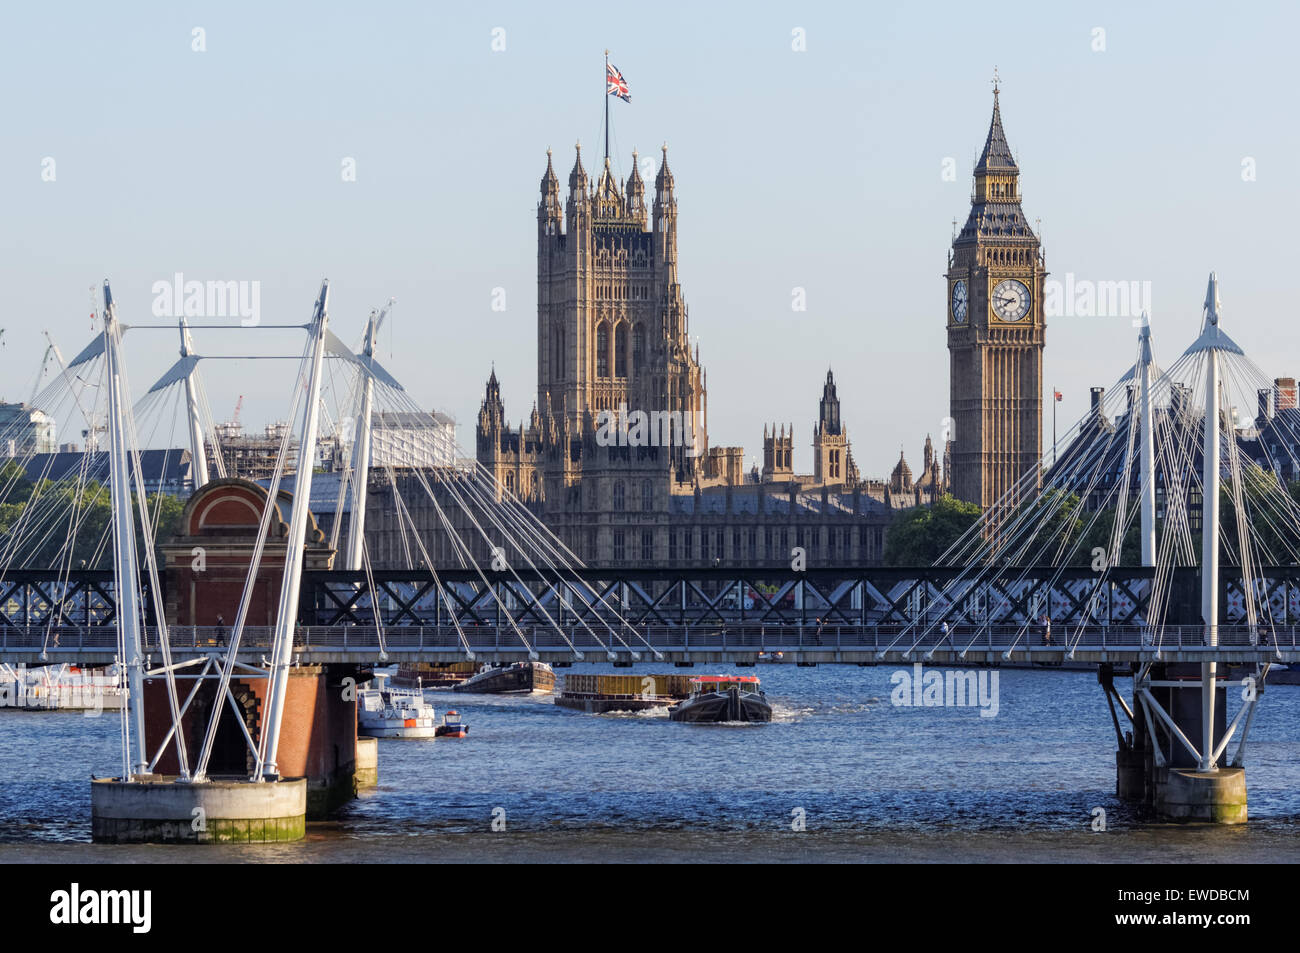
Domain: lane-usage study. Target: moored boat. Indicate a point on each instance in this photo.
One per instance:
(384, 712)
(452, 726)
(519, 677)
(719, 698)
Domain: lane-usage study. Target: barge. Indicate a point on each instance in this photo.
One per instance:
(517, 678)
(433, 674)
(598, 694)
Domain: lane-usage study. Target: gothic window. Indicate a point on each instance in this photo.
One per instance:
(647, 547)
(620, 351)
(717, 544)
(647, 495)
(602, 350)
(618, 496)
(672, 545)
(638, 348)
(620, 552)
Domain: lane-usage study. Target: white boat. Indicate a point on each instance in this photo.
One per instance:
(384, 712)
(60, 687)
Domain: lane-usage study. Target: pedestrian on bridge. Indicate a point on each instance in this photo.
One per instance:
(221, 630)
(947, 635)
(1047, 629)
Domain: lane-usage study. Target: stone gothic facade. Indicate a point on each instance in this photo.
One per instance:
(996, 335)
(615, 455)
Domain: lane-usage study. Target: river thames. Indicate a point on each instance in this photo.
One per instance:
(841, 774)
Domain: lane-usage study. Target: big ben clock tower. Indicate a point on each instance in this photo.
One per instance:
(995, 335)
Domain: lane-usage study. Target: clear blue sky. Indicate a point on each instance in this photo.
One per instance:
(818, 169)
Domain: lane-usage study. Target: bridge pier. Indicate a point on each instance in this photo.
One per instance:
(1158, 762)
(156, 809)
(318, 744)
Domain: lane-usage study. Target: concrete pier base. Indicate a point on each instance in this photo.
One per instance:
(1130, 774)
(157, 809)
(1218, 797)
(367, 763)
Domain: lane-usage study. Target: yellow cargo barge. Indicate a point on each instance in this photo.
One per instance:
(602, 693)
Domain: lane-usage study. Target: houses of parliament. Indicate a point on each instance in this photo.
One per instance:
(612, 342)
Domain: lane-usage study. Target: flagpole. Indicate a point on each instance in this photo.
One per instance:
(606, 84)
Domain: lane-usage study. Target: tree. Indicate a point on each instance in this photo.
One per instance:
(922, 534)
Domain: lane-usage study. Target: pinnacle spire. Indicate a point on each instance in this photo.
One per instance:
(665, 177)
(997, 154)
(550, 183)
(578, 177)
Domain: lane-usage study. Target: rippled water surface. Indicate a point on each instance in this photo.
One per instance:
(871, 781)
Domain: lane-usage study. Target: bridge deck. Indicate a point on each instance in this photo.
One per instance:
(861, 645)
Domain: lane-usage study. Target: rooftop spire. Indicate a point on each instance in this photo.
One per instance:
(997, 154)
(550, 184)
(578, 177)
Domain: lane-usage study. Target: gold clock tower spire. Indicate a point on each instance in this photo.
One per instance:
(996, 334)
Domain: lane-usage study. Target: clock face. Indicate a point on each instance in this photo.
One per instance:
(1010, 299)
(959, 302)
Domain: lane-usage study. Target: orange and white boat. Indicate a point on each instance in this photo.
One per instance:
(384, 712)
(452, 726)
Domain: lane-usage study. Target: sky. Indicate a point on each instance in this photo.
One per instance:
(1156, 150)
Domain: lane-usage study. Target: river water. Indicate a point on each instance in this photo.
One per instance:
(865, 779)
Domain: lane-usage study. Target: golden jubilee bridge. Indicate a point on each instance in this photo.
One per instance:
(1178, 571)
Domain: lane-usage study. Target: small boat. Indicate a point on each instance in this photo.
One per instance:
(519, 677)
(452, 729)
(717, 698)
(384, 712)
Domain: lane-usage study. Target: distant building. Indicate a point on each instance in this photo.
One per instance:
(408, 439)
(1271, 441)
(614, 457)
(251, 457)
(25, 429)
(169, 472)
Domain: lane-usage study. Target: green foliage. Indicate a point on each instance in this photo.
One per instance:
(920, 535)
(69, 526)
(1273, 535)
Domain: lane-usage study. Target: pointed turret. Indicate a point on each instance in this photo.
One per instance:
(636, 192)
(664, 180)
(578, 206)
(550, 216)
(491, 417)
(829, 418)
(550, 184)
(578, 180)
(665, 220)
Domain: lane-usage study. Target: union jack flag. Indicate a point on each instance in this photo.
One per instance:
(616, 84)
